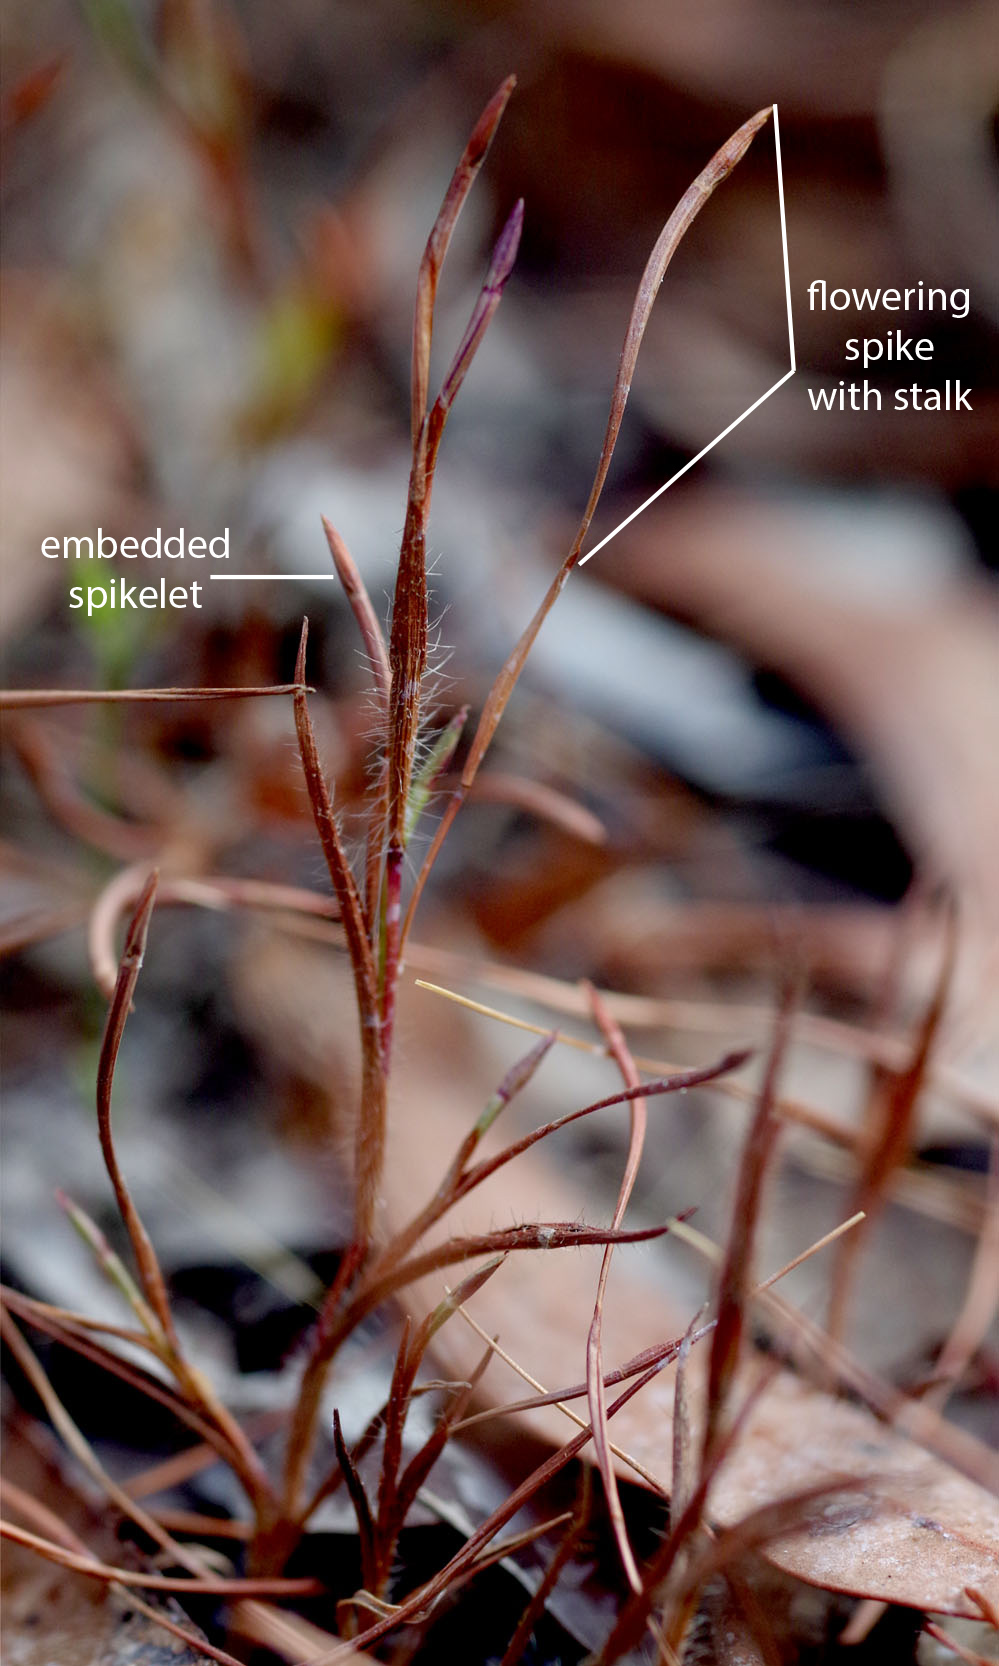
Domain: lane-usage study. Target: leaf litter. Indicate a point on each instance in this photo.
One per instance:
(831, 1512)
(918, 1534)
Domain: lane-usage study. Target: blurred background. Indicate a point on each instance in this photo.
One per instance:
(212, 223)
(777, 692)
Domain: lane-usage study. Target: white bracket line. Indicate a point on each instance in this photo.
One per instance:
(756, 403)
(248, 578)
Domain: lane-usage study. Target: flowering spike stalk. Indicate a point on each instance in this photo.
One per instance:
(679, 222)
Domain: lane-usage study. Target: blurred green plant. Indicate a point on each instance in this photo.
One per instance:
(115, 637)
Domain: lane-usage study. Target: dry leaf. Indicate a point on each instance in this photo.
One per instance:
(918, 1537)
(86, 1623)
(910, 680)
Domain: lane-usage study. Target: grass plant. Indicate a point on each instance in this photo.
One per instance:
(374, 904)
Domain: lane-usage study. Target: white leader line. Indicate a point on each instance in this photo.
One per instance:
(332, 577)
(783, 240)
(269, 578)
(757, 402)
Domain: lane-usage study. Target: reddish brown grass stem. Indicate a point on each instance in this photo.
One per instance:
(677, 225)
